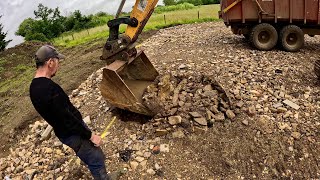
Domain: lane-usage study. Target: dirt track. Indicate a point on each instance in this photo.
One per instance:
(267, 140)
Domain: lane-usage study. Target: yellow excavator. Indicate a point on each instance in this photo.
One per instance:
(128, 72)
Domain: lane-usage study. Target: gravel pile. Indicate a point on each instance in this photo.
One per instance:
(264, 126)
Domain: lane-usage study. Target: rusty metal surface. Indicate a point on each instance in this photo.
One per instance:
(317, 68)
(302, 11)
(124, 83)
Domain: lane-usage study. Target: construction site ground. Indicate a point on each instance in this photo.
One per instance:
(274, 134)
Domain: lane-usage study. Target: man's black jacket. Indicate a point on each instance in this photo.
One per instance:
(53, 104)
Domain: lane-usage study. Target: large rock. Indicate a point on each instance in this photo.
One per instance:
(202, 121)
(195, 114)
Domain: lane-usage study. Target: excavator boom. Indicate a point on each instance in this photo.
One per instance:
(128, 72)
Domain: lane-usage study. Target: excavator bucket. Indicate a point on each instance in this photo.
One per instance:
(124, 83)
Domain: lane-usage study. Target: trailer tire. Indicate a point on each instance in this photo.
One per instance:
(264, 37)
(317, 68)
(291, 38)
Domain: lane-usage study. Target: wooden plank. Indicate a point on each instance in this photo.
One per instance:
(305, 11)
(275, 12)
(318, 11)
(291, 11)
(242, 13)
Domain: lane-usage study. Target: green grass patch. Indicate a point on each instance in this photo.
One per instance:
(157, 21)
(183, 6)
(21, 68)
(3, 62)
(18, 85)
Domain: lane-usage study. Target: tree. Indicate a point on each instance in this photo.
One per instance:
(47, 25)
(3, 42)
(169, 2)
(43, 12)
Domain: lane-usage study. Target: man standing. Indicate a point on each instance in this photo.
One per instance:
(53, 104)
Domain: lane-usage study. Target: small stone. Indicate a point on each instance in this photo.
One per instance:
(181, 103)
(182, 66)
(240, 104)
(219, 117)
(87, 120)
(164, 148)
(157, 166)
(208, 88)
(291, 148)
(178, 134)
(60, 178)
(202, 121)
(173, 111)
(251, 110)
(57, 144)
(161, 132)
(139, 153)
(133, 137)
(195, 114)
(134, 165)
(144, 164)
(147, 154)
(281, 94)
(139, 159)
(230, 114)
(151, 172)
(296, 135)
(277, 105)
(48, 151)
(291, 104)
(245, 122)
(256, 93)
(30, 171)
(281, 110)
(174, 120)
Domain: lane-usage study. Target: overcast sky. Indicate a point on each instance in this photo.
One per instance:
(15, 11)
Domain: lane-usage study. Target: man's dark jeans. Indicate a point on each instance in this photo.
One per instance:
(89, 154)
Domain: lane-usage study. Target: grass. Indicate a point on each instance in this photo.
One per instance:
(157, 21)
(184, 6)
(17, 85)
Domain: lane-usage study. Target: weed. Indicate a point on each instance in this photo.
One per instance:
(21, 68)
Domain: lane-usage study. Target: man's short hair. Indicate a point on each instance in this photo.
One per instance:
(46, 52)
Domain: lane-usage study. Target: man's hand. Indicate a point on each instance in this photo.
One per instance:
(96, 140)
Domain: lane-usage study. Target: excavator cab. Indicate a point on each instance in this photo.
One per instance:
(128, 72)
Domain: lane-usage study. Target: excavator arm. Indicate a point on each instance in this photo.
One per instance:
(128, 72)
(139, 17)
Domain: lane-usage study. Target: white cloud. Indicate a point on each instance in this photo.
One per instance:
(15, 11)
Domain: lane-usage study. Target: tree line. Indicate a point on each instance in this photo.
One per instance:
(194, 2)
(3, 42)
(49, 23)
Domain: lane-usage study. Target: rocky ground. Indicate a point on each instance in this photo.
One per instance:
(266, 128)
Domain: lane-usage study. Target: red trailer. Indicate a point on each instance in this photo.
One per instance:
(267, 22)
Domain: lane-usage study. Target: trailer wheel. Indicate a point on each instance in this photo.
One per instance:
(264, 37)
(292, 38)
(317, 68)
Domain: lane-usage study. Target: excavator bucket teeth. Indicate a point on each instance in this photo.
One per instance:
(124, 83)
